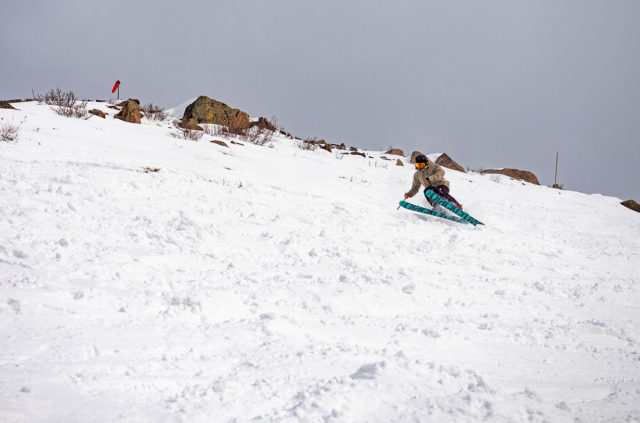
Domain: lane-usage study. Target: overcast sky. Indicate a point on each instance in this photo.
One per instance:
(491, 83)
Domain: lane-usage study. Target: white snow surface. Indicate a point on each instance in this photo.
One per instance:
(274, 284)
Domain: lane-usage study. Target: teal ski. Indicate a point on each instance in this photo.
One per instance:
(424, 210)
(453, 209)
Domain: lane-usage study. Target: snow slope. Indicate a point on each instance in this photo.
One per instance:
(274, 284)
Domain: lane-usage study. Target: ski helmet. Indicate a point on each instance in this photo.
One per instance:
(421, 158)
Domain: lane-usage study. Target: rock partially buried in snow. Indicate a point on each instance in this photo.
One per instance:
(6, 105)
(98, 113)
(222, 143)
(414, 155)
(190, 124)
(130, 111)
(446, 161)
(395, 151)
(207, 110)
(631, 205)
(521, 175)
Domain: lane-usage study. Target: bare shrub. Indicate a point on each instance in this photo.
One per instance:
(9, 131)
(259, 135)
(64, 103)
(185, 133)
(153, 112)
(216, 130)
(280, 127)
(306, 145)
(495, 178)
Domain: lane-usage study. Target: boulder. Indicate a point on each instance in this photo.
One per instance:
(263, 123)
(190, 124)
(207, 110)
(414, 155)
(222, 143)
(122, 104)
(521, 175)
(130, 111)
(99, 113)
(395, 151)
(445, 161)
(399, 163)
(6, 105)
(631, 205)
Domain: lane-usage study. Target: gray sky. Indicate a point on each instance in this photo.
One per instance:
(491, 83)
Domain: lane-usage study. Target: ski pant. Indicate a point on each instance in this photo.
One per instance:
(442, 191)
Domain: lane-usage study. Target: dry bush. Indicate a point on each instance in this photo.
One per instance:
(259, 136)
(215, 130)
(9, 131)
(306, 145)
(64, 103)
(153, 112)
(185, 133)
(280, 127)
(256, 135)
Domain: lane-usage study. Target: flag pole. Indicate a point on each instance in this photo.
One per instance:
(555, 181)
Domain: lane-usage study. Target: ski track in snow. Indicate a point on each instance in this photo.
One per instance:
(275, 284)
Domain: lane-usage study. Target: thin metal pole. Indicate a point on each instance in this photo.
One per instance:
(555, 181)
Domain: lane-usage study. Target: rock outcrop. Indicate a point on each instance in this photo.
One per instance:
(521, 175)
(445, 161)
(130, 111)
(207, 110)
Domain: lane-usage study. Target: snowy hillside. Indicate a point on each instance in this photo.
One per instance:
(269, 283)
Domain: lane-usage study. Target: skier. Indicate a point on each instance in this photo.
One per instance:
(431, 176)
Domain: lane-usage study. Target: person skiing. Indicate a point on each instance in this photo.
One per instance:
(431, 176)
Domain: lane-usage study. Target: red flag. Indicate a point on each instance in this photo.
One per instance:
(115, 86)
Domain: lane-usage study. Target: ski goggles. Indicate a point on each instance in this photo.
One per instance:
(420, 165)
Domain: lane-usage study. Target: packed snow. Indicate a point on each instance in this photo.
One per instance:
(276, 284)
